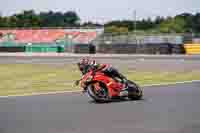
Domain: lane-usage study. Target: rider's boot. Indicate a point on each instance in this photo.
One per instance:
(124, 81)
(84, 90)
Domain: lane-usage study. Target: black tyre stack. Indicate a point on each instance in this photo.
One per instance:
(177, 49)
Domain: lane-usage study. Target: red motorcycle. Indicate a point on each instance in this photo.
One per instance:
(102, 88)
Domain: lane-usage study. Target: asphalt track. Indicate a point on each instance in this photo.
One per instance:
(183, 63)
(164, 109)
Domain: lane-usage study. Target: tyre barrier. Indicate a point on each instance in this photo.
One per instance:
(12, 49)
(84, 48)
(153, 49)
(117, 48)
(177, 48)
(163, 48)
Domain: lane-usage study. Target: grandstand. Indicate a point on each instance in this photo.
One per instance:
(47, 35)
(48, 40)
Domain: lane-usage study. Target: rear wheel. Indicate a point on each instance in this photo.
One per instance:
(101, 95)
(134, 91)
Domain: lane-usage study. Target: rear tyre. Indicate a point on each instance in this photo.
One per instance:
(101, 96)
(134, 91)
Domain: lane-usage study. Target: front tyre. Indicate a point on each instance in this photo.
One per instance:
(134, 91)
(98, 96)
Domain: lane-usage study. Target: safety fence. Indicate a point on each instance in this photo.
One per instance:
(141, 39)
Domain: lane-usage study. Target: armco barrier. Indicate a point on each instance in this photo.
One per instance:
(192, 48)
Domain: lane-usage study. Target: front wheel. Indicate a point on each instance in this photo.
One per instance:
(134, 91)
(100, 94)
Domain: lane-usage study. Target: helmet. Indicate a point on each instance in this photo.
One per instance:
(83, 64)
(84, 61)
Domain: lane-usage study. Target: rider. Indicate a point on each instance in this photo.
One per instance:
(86, 65)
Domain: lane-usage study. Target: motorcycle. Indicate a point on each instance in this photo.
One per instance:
(102, 88)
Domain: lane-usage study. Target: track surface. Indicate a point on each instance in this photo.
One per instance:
(165, 109)
(133, 62)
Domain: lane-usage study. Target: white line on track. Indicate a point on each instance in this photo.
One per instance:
(78, 91)
(171, 83)
(37, 94)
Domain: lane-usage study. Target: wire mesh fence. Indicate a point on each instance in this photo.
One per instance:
(139, 39)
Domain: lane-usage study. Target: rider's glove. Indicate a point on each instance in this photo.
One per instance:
(77, 82)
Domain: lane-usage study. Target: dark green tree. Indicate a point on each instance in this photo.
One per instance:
(58, 19)
(196, 23)
(25, 19)
(71, 18)
(189, 23)
(173, 25)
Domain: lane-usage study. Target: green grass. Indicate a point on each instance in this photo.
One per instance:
(18, 79)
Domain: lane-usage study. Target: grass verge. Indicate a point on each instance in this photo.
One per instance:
(20, 79)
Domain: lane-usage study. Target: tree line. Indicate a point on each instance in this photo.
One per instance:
(29, 19)
(185, 22)
(182, 23)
